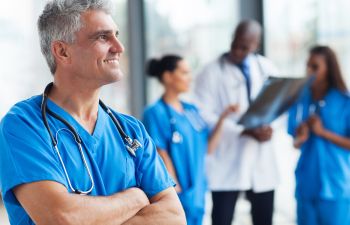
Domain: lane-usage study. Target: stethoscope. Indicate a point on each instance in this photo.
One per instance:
(176, 136)
(131, 144)
(313, 109)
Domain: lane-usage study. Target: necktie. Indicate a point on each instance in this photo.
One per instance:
(244, 67)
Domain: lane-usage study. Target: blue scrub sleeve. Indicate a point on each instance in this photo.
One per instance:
(153, 174)
(156, 128)
(348, 118)
(25, 156)
(292, 126)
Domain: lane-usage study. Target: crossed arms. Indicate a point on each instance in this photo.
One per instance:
(48, 202)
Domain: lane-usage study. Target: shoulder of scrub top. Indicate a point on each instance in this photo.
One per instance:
(26, 111)
(189, 106)
(340, 95)
(131, 126)
(345, 94)
(158, 108)
(153, 109)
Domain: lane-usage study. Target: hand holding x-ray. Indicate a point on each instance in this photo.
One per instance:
(276, 96)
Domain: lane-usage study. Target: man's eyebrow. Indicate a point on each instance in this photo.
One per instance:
(102, 32)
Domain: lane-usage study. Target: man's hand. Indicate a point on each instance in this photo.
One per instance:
(260, 134)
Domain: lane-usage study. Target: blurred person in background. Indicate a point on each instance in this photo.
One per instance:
(320, 125)
(65, 157)
(244, 160)
(181, 135)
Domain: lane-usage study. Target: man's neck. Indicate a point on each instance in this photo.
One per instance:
(79, 101)
(231, 59)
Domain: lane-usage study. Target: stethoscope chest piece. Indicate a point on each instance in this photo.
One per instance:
(176, 137)
(132, 146)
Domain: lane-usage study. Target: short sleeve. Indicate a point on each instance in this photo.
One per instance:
(292, 120)
(157, 128)
(154, 175)
(25, 156)
(348, 118)
(296, 114)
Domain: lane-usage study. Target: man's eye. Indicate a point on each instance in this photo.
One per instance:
(103, 37)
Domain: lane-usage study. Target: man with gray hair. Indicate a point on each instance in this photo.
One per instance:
(66, 158)
(244, 160)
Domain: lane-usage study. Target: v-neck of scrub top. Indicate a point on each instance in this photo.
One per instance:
(90, 139)
(184, 114)
(172, 108)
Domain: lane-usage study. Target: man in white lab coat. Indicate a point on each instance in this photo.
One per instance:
(244, 159)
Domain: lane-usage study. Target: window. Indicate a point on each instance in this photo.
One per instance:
(292, 27)
(24, 71)
(198, 30)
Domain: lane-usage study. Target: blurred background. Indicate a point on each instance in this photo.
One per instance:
(200, 30)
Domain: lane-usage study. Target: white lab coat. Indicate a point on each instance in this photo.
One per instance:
(240, 162)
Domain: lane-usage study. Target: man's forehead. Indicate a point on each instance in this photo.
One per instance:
(98, 20)
(246, 39)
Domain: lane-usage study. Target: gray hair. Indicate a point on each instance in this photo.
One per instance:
(60, 20)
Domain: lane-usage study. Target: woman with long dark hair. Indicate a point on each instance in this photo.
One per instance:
(180, 134)
(320, 124)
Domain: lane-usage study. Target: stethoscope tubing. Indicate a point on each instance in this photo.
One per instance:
(130, 144)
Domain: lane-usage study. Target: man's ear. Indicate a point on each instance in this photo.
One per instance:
(60, 52)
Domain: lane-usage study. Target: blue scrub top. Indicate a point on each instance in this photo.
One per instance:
(27, 155)
(323, 170)
(188, 156)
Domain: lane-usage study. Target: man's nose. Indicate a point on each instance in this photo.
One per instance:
(117, 46)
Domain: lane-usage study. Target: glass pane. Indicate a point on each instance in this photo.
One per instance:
(116, 95)
(198, 30)
(23, 72)
(292, 27)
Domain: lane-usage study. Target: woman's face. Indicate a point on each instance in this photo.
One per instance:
(180, 79)
(316, 65)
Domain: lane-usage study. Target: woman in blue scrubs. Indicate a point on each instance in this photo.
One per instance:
(181, 135)
(320, 124)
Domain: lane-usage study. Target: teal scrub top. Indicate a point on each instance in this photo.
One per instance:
(187, 155)
(27, 155)
(323, 169)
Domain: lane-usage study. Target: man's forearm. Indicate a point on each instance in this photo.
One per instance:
(47, 202)
(165, 210)
(110, 210)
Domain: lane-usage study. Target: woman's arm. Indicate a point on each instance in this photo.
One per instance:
(317, 127)
(216, 133)
(301, 135)
(170, 167)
